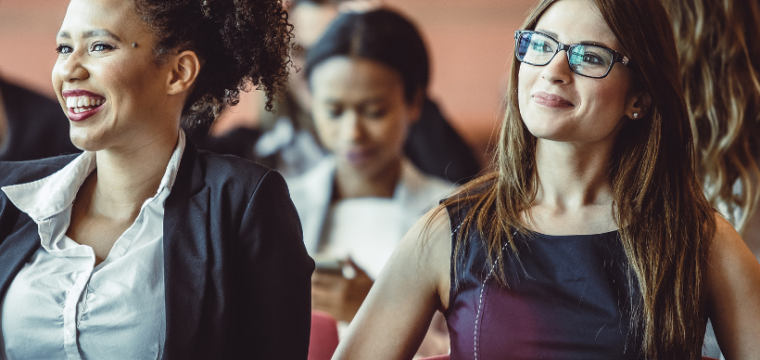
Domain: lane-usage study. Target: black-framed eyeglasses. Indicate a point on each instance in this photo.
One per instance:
(539, 49)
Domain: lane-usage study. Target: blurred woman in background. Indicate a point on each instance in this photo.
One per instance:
(369, 76)
(593, 238)
(286, 139)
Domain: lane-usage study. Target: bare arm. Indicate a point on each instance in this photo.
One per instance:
(414, 284)
(733, 291)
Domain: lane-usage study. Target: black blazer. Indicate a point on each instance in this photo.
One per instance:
(236, 272)
(37, 126)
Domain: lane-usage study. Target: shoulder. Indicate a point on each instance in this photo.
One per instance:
(231, 172)
(733, 291)
(427, 249)
(18, 172)
(726, 243)
(730, 262)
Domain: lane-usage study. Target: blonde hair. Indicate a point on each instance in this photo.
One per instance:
(666, 224)
(718, 45)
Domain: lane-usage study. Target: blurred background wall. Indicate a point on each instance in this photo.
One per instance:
(471, 44)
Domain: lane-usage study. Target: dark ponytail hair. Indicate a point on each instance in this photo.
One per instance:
(241, 44)
(381, 35)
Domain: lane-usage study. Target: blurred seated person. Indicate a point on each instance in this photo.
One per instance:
(368, 75)
(286, 139)
(31, 125)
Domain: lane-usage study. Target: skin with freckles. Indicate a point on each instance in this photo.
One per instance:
(134, 130)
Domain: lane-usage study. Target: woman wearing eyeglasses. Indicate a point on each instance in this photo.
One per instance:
(592, 239)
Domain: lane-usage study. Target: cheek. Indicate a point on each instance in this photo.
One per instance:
(390, 132)
(327, 130)
(134, 83)
(526, 77)
(607, 101)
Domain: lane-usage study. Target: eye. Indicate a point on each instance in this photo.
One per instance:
(64, 49)
(334, 113)
(592, 59)
(99, 47)
(540, 45)
(375, 113)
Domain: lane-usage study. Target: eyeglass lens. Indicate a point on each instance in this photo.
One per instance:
(589, 60)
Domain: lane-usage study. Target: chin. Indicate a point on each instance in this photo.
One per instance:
(86, 140)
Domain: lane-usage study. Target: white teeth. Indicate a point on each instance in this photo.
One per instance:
(79, 102)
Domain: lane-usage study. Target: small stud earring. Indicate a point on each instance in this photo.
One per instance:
(635, 115)
(134, 45)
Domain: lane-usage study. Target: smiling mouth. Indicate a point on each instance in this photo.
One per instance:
(80, 104)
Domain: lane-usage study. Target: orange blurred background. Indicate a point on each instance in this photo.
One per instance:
(470, 41)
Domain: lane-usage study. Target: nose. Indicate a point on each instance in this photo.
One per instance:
(71, 68)
(353, 127)
(558, 70)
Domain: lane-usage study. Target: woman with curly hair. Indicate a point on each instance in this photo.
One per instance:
(719, 52)
(593, 238)
(143, 247)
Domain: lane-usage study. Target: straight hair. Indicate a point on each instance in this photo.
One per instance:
(666, 224)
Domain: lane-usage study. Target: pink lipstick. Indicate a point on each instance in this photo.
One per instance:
(551, 100)
(82, 104)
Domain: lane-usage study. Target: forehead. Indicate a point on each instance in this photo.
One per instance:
(117, 16)
(575, 21)
(344, 78)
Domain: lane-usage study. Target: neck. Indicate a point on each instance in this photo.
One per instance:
(350, 183)
(125, 179)
(573, 176)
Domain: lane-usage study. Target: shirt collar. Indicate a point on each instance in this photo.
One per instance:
(47, 197)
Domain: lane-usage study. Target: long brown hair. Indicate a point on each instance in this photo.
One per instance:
(719, 50)
(666, 224)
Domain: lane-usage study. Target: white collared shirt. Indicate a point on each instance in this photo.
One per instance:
(365, 229)
(60, 305)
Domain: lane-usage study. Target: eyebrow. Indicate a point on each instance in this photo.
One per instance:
(91, 33)
(554, 35)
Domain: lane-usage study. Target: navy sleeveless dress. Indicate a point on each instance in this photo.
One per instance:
(567, 298)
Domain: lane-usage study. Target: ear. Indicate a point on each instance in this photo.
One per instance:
(184, 70)
(638, 105)
(415, 107)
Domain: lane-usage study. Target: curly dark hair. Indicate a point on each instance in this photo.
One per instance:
(241, 44)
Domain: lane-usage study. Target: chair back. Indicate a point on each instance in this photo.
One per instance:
(324, 336)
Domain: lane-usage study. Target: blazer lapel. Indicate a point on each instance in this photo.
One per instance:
(16, 250)
(185, 256)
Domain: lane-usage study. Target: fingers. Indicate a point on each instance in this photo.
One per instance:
(326, 280)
